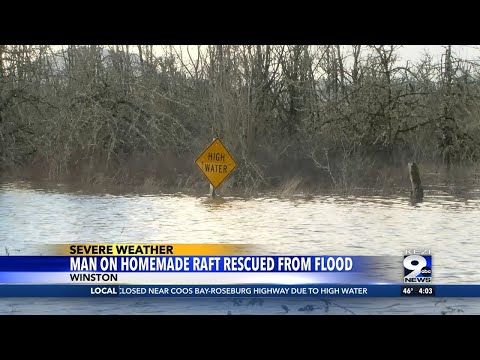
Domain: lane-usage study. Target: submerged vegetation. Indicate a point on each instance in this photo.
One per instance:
(330, 117)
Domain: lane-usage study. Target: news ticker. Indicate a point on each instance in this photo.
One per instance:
(240, 291)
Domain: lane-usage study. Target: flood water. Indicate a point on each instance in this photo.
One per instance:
(448, 225)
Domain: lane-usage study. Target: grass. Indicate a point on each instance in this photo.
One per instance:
(290, 187)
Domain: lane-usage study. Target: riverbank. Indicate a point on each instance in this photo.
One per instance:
(384, 181)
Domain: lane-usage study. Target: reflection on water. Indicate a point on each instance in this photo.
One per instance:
(315, 225)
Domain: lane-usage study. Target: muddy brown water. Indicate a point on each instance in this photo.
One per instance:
(448, 224)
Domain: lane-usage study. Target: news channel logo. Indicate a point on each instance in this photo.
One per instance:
(417, 266)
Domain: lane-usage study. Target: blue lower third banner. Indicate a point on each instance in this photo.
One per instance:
(204, 291)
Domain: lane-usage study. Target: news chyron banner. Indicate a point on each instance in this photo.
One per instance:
(216, 270)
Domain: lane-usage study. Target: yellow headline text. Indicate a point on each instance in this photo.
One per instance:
(148, 249)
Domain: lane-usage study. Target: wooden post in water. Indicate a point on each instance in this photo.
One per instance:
(417, 189)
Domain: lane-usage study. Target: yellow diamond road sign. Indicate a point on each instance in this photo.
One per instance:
(216, 163)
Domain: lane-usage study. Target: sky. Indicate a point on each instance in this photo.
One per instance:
(411, 53)
(414, 52)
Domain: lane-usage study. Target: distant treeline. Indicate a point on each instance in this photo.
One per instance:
(324, 113)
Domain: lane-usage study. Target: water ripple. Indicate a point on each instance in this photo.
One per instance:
(368, 225)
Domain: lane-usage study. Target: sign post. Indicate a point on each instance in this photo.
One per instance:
(216, 164)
